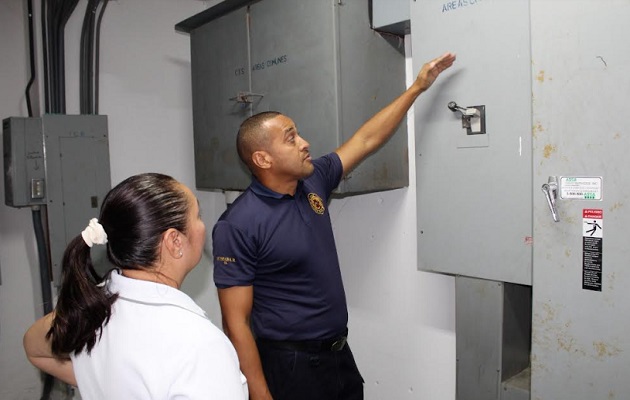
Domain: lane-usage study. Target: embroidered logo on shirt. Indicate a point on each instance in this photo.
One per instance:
(317, 204)
(225, 260)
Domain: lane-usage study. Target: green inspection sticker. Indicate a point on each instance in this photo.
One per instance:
(581, 187)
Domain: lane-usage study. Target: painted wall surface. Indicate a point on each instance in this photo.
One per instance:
(401, 320)
(20, 293)
(580, 344)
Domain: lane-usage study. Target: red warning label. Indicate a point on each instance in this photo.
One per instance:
(596, 213)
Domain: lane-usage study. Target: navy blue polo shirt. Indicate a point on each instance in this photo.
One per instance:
(284, 246)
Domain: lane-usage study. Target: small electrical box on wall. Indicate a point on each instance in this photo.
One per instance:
(24, 169)
(58, 161)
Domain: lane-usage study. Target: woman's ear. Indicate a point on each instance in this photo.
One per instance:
(261, 159)
(172, 242)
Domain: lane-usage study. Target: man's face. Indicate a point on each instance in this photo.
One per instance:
(289, 151)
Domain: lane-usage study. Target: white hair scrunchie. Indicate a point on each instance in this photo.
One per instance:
(94, 233)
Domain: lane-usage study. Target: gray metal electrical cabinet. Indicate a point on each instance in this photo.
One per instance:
(581, 301)
(78, 174)
(24, 163)
(475, 190)
(61, 161)
(319, 62)
(553, 78)
(474, 184)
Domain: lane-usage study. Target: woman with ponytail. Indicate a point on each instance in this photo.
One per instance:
(133, 334)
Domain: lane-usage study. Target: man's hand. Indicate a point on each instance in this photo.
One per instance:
(378, 129)
(432, 69)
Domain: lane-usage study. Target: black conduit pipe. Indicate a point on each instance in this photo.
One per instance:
(42, 252)
(44, 275)
(90, 56)
(84, 56)
(45, 58)
(97, 55)
(56, 35)
(31, 50)
(63, 15)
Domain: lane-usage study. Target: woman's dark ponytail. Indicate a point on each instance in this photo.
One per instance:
(83, 308)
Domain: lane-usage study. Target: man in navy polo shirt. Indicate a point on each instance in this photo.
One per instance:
(275, 260)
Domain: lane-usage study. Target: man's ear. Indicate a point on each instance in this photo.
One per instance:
(172, 242)
(262, 159)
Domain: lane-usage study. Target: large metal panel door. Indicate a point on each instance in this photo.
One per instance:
(220, 82)
(474, 192)
(77, 177)
(294, 66)
(372, 75)
(581, 302)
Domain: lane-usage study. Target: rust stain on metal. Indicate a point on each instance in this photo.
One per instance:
(537, 366)
(616, 206)
(566, 342)
(568, 219)
(537, 128)
(550, 313)
(604, 350)
(549, 150)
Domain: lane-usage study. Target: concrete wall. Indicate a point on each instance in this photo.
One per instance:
(401, 320)
(20, 294)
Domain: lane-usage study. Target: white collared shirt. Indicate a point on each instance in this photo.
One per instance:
(158, 344)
